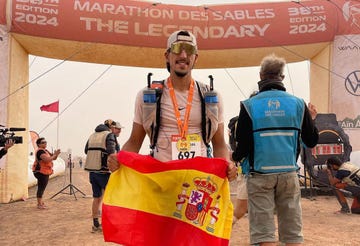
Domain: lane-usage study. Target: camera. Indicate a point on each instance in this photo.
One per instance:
(8, 134)
(323, 167)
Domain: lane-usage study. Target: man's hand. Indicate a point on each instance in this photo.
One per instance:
(312, 110)
(9, 143)
(113, 163)
(231, 171)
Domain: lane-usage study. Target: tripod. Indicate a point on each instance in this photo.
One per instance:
(72, 187)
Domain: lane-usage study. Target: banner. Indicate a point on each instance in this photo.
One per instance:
(2, 12)
(145, 24)
(186, 202)
(4, 81)
(52, 107)
(345, 85)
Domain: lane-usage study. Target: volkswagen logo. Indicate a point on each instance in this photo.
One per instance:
(352, 83)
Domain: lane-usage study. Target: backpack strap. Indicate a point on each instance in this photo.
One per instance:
(158, 87)
(203, 114)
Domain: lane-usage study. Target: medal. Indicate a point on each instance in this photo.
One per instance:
(183, 145)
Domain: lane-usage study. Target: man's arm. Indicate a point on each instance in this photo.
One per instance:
(244, 136)
(218, 142)
(133, 144)
(309, 132)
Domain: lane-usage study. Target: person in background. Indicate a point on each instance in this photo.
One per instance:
(99, 145)
(8, 144)
(43, 168)
(116, 130)
(347, 177)
(270, 129)
(181, 115)
(241, 203)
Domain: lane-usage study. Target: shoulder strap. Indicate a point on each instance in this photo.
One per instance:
(203, 112)
(158, 86)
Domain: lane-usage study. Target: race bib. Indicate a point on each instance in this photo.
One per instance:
(185, 148)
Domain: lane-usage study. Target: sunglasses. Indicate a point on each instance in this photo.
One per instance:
(177, 48)
(43, 142)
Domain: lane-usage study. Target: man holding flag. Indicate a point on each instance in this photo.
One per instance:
(203, 193)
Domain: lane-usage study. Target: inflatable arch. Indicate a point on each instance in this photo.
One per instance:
(132, 33)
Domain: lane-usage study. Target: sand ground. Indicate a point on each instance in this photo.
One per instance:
(68, 219)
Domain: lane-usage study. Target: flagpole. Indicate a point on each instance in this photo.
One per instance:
(57, 130)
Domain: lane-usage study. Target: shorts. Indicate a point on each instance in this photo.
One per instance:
(267, 192)
(98, 182)
(241, 190)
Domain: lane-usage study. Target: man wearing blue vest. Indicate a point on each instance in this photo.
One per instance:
(271, 128)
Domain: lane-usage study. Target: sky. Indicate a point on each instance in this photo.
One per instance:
(90, 93)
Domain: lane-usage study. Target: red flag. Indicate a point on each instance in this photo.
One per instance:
(52, 107)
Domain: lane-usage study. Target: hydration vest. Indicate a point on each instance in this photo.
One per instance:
(96, 157)
(41, 166)
(152, 111)
(277, 119)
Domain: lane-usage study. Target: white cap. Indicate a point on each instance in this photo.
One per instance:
(118, 125)
(181, 36)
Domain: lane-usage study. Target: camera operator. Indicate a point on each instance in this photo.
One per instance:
(347, 177)
(9, 143)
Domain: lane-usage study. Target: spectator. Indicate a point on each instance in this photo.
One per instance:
(270, 128)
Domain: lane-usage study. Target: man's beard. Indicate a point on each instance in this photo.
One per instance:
(180, 74)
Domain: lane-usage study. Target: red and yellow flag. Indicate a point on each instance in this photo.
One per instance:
(148, 202)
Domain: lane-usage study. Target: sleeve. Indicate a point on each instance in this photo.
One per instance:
(2, 152)
(39, 153)
(341, 174)
(309, 132)
(86, 147)
(111, 143)
(138, 108)
(244, 137)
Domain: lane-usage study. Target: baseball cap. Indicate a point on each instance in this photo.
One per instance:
(181, 36)
(118, 125)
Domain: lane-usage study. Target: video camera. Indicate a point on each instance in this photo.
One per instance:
(8, 133)
(324, 166)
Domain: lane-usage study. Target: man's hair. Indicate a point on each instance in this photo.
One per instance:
(38, 141)
(334, 161)
(272, 66)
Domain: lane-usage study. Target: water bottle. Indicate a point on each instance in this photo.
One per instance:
(149, 96)
(211, 101)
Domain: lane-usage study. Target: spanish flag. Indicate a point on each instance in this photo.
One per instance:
(153, 203)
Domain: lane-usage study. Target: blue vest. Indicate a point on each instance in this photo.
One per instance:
(277, 118)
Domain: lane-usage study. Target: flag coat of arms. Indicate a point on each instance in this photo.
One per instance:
(153, 203)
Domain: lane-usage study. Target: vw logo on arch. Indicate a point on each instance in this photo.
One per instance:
(352, 83)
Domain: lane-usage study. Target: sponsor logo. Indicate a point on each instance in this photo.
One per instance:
(350, 123)
(351, 12)
(352, 83)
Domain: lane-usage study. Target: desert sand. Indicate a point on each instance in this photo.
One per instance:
(67, 221)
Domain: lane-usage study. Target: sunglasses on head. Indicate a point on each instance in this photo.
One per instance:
(177, 48)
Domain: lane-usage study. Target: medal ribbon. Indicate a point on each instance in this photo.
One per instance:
(182, 125)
